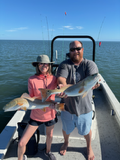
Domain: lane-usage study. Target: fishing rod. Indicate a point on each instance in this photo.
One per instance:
(42, 36)
(63, 34)
(47, 27)
(52, 31)
(101, 28)
(99, 33)
(48, 36)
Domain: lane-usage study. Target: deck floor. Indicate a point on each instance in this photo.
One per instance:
(76, 150)
(108, 129)
(106, 143)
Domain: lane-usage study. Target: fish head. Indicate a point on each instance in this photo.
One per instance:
(96, 77)
(45, 93)
(91, 80)
(9, 106)
(16, 104)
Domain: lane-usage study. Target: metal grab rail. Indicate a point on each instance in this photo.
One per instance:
(73, 36)
(67, 36)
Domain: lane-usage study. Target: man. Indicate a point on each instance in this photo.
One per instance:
(78, 110)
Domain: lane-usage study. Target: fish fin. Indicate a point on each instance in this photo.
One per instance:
(24, 108)
(24, 95)
(84, 94)
(81, 90)
(60, 106)
(20, 103)
(27, 96)
(44, 109)
(44, 93)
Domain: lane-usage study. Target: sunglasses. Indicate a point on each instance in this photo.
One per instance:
(43, 64)
(73, 49)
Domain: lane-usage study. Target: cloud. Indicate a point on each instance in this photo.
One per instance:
(11, 30)
(68, 27)
(17, 29)
(79, 27)
(21, 28)
(71, 28)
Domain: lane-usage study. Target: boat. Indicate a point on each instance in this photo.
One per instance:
(105, 126)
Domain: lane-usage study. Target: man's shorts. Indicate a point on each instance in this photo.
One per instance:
(47, 124)
(82, 122)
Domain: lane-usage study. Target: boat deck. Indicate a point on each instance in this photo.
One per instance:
(109, 131)
(105, 144)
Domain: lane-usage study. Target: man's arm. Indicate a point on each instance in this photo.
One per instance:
(61, 80)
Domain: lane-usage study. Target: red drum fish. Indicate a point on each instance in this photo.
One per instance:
(26, 102)
(79, 89)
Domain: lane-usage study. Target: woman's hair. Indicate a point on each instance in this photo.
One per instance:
(38, 71)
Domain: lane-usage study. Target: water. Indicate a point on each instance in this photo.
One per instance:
(16, 58)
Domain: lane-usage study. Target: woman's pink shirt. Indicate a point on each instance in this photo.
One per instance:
(41, 81)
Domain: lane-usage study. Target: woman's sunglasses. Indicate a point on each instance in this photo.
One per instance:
(43, 64)
(73, 49)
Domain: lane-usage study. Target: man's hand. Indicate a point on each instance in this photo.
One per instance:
(97, 85)
(62, 94)
(52, 106)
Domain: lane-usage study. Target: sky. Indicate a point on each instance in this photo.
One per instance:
(45, 19)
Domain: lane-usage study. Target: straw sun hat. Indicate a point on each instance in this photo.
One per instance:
(41, 59)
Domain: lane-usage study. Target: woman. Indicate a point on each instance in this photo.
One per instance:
(42, 79)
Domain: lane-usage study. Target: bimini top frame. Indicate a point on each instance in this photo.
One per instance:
(73, 36)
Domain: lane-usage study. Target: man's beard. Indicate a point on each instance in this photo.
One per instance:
(75, 59)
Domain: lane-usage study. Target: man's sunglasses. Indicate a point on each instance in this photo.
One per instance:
(73, 49)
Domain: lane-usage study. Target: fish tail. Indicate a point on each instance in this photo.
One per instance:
(60, 106)
(44, 93)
